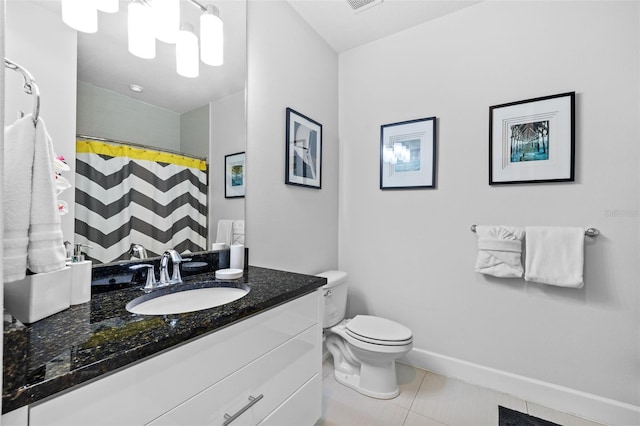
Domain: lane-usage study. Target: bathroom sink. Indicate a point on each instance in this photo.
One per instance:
(187, 297)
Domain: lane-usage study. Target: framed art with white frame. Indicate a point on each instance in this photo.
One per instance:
(304, 151)
(533, 141)
(408, 154)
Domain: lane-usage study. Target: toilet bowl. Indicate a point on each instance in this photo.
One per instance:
(365, 348)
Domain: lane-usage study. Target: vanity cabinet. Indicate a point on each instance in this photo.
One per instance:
(266, 367)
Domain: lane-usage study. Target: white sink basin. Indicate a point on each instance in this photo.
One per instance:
(185, 298)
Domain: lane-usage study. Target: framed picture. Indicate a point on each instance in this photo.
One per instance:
(533, 141)
(234, 178)
(304, 151)
(408, 154)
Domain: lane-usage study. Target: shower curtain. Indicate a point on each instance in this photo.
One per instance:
(129, 195)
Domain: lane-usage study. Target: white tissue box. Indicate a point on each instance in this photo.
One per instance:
(38, 296)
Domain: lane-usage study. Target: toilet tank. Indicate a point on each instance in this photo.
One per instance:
(335, 297)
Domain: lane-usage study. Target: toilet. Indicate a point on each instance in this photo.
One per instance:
(365, 348)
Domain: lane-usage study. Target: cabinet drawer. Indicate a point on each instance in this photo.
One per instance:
(303, 407)
(146, 390)
(271, 379)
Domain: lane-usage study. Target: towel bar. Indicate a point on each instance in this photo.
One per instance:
(589, 232)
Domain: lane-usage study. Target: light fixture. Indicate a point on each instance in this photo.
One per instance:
(81, 15)
(166, 19)
(136, 88)
(142, 43)
(109, 6)
(187, 60)
(211, 37)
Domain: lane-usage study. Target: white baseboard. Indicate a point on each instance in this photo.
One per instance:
(559, 398)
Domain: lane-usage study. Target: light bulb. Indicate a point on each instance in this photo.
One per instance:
(211, 37)
(81, 15)
(187, 60)
(142, 42)
(166, 19)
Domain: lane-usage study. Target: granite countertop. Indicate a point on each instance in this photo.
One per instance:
(89, 340)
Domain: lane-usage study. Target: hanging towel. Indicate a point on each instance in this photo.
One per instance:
(499, 251)
(46, 251)
(225, 231)
(555, 255)
(19, 141)
(238, 232)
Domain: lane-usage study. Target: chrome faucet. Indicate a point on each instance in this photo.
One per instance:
(176, 259)
(136, 250)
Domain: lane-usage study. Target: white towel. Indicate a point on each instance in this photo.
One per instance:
(238, 232)
(225, 231)
(499, 251)
(555, 255)
(19, 141)
(46, 251)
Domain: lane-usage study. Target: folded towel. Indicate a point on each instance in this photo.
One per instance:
(19, 139)
(555, 256)
(238, 232)
(499, 251)
(225, 231)
(46, 251)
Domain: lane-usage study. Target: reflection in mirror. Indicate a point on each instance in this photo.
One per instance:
(199, 117)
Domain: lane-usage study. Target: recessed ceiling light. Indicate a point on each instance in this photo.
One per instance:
(136, 88)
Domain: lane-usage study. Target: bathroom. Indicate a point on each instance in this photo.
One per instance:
(410, 254)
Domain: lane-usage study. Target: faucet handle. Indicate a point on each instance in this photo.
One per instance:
(150, 283)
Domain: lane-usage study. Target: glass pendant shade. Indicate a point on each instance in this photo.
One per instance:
(109, 6)
(166, 19)
(211, 37)
(187, 59)
(142, 42)
(81, 15)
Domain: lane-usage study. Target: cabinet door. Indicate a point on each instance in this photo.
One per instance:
(254, 391)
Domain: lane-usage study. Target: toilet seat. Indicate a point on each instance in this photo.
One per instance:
(378, 331)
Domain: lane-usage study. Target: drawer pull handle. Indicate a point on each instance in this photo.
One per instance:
(252, 402)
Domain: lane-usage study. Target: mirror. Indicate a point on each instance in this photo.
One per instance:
(203, 116)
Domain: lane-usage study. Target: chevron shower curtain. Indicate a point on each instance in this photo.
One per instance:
(126, 194)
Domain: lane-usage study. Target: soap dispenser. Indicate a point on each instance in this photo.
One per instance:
(80, 276)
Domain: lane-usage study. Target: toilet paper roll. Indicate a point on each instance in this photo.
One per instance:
(237, 256)
(218, 246)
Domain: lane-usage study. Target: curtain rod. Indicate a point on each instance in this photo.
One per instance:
(139, 145)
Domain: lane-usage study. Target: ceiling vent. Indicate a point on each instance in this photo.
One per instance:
(361, 5)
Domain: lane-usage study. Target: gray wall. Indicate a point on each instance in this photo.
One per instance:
(228, 136)
(194, 132)
(289, 227)
(586, 340)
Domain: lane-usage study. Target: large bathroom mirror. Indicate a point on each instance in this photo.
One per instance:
(146, 103)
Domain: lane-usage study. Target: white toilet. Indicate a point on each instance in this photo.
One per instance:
(364, 348)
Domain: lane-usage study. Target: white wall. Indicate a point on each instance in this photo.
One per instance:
(106, 114)
(289, 227)
(51, 59)
(410, 254)
(228, 136)
(195, 131)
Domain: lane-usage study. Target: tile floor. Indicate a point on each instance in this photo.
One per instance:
(426, 399)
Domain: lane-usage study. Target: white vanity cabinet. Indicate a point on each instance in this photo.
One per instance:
(267, 368)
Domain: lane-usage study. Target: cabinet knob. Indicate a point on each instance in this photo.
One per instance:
(252, 402)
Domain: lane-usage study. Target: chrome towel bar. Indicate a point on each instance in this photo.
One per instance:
(589, 232)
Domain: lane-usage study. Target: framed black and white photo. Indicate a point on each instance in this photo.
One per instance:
(532, 141)
(304, 151)
(408, 154)
(234, 175)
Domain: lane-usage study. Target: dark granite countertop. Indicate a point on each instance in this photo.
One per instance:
(92, 339)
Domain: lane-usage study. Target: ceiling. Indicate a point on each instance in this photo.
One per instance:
(104, 60)
(343, 28)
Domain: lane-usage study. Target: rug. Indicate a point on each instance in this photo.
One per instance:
(508, 417)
